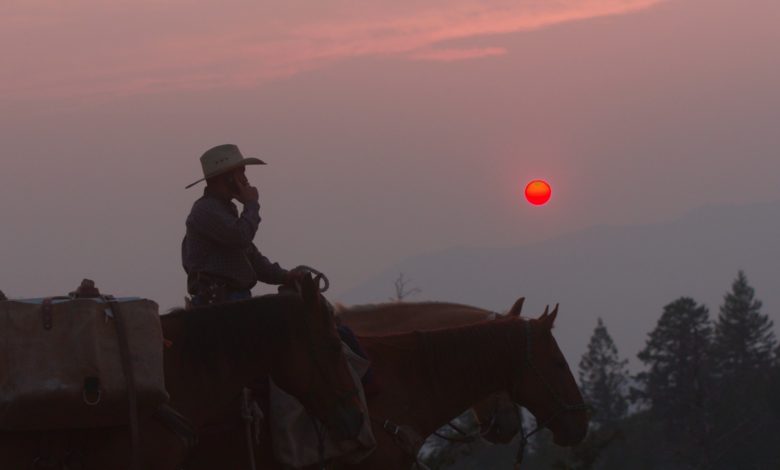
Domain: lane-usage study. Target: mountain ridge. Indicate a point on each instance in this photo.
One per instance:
(622, 273)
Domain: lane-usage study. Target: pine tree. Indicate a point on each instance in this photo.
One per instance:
(744, 340)
(743, 354)
(677, 381)
(603, 378)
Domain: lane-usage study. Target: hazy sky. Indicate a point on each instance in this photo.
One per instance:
(390, 128)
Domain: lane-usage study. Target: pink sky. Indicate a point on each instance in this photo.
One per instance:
(75, 48)
(391, 129)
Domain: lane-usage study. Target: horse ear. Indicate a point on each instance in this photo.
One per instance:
(517, 308)
(550, 319)
(543, 317)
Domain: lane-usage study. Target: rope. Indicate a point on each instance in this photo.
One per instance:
(317, 276)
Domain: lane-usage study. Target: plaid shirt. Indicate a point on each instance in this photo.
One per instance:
(218, 244)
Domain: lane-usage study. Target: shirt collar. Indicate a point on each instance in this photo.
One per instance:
(212, 194)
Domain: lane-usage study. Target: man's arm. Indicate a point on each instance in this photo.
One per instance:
(213, 221)
(267, 272)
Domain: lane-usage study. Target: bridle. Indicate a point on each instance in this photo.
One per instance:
(562, 406)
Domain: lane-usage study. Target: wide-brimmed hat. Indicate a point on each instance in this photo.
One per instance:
(222, 159)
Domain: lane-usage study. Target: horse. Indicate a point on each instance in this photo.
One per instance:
(497, 414)
(428, 377)
(212, 352)
(434, 375)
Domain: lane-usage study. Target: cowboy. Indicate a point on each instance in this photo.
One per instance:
(220, 259)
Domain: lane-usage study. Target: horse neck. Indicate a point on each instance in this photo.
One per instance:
(442, 373)
(414, 308)
(205, 372)
(404, 317)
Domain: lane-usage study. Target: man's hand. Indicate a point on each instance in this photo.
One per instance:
(294, 275)
(247, 193)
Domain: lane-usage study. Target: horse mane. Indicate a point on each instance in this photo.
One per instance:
(341, 308)
(402, 317)
(236, 329)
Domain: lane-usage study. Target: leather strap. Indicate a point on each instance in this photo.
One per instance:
(248, 417)
(132, 396)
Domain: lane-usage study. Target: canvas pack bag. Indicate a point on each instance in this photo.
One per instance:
(61, 364)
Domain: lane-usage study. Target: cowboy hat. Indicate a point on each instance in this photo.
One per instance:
(222, 159)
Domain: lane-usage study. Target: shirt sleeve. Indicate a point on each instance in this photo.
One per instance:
(267, 272)
(225, 228)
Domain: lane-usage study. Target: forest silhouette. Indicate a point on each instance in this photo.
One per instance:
(708, 396)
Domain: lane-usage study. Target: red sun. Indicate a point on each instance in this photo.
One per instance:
(538, 192)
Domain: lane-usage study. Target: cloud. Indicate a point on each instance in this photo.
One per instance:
(450, 55)
(53, 49)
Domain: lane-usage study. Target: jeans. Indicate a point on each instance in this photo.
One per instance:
(231, 296)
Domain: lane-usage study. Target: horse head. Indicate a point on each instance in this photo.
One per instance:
(315, 369)
(546, 386)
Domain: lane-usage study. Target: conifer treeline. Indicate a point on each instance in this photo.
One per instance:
(708, 397)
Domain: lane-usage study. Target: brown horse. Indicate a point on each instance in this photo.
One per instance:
(429, 377)
(496, 413)
(435, 375)
(214, 352)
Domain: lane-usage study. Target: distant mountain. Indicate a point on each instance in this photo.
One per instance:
(624, 274)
